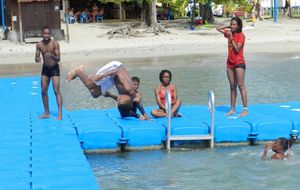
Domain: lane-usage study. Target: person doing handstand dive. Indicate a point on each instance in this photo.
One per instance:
(137, 102)
(111, 74)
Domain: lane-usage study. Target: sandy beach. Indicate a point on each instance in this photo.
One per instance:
(89, 42)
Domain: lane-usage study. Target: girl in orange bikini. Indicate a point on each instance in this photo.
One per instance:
(165, 78)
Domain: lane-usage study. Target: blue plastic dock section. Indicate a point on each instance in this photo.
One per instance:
(38, 154)
(48, 154)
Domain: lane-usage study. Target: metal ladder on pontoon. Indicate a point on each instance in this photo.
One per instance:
(211, 109)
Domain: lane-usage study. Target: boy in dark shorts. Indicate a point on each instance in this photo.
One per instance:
(49, 48)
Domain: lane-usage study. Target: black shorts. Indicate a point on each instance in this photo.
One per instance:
(51, 71)
(241, 65)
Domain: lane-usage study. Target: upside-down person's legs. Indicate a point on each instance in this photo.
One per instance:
(233, 91)
(56, 89)
(123, 82)
(45, 84)
(240, 76)
(80, 72)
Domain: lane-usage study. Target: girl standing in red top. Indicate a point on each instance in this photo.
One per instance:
(235, 62)
(165, 78)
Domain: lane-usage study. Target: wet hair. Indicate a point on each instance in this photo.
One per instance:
(125, 106)
(46, 27)
(161, 75)
(239, 23)
(136, 79)
(285, 143)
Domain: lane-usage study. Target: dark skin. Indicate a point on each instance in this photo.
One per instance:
(50, 51)
(122, 79)
(277, 148)
(236, 76)
(137, 98)
(175, 103)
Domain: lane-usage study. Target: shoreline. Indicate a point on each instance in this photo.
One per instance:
(88, 44)
(152, 51)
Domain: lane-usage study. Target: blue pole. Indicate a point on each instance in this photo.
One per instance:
(275, 11)
(3, 19)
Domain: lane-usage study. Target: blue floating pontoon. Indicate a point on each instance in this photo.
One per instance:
(38, 154)
(48, 154)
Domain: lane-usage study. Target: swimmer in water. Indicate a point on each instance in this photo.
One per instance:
(280, 146)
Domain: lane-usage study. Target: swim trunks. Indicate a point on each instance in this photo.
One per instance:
(240, 65)
(51, 71)
(108, 82)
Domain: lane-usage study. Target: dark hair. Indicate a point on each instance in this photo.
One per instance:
(285, 143)
(46, 27)
(125, 107)
(161, 75)
(239, 23)
(136, 79)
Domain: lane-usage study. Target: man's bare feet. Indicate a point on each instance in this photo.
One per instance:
(44, 116)
(244, 113)
(72, 74)
(230, 112)
(59, 117)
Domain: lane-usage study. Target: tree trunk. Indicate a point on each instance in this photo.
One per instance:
(205, 12)
(149, 12)
(287, 9)
(193, 12)
(258, 10)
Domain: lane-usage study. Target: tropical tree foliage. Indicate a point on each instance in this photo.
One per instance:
(178, 7)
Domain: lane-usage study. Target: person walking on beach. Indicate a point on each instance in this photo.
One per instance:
(49, 48)
(165, 77)
(235, 62)
(111, 74)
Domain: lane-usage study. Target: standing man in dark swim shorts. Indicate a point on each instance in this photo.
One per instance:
(49, 48)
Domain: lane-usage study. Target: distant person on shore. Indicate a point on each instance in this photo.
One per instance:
(165, 77)
(50, 51)
(235, 62)
(280, 146)
(95, 12)
(111, 74)
(137, 102)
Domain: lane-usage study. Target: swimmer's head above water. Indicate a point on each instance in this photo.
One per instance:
(280, 146)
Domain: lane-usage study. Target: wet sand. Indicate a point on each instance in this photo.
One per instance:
(25, 69)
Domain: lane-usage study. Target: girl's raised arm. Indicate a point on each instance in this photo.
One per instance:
(222, 29)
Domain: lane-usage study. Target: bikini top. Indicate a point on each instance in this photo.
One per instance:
(162, 93)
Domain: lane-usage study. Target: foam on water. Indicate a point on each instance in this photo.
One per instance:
(295, 57)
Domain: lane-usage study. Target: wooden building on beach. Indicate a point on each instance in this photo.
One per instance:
(28, 17)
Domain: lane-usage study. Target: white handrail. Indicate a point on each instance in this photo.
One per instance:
(211, 108)
(169, 113)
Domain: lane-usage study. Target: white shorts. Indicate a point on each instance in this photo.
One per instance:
(107, 82)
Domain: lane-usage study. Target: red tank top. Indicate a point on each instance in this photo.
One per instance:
(162, 93)
(235, 58)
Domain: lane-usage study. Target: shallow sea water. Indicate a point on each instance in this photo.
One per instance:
(270, 78)
(233, 167)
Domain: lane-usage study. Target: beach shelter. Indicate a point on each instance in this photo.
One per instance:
(28, 17)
